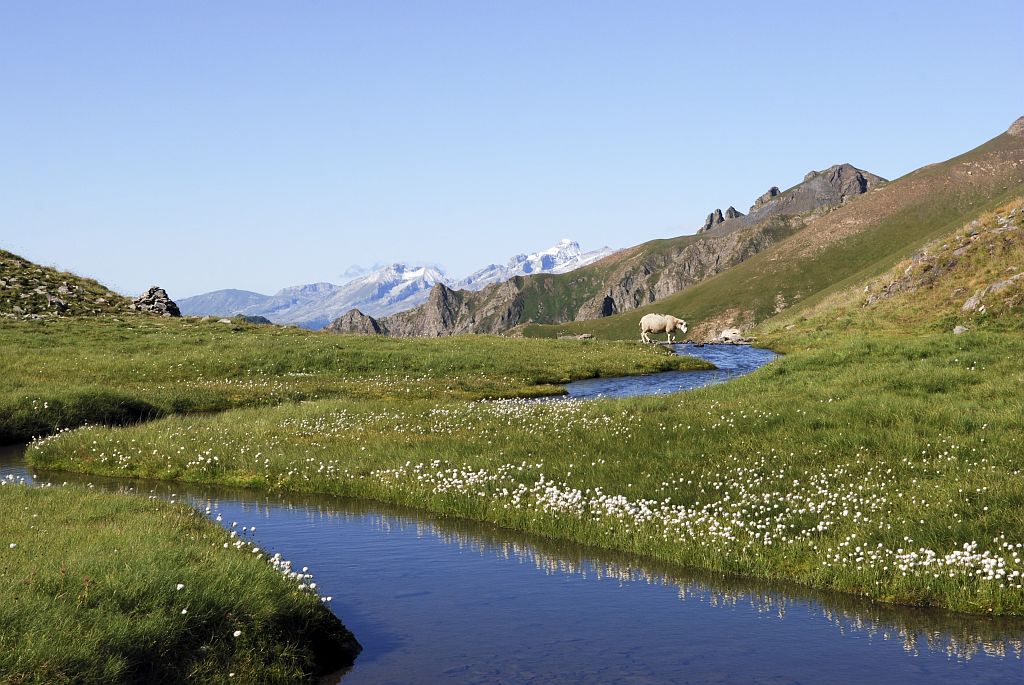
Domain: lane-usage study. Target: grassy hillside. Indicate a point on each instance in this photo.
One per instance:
(972, 277)
(863, 238)
(105, 588)
(28, 290)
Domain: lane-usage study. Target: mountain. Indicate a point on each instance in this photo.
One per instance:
(562, 257)
(31, 291)
(385, 291)
(221, 302)
(863, 238)
(635, 277)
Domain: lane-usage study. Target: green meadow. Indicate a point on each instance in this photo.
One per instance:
(64, 373)
(886, 466)
(106, 588)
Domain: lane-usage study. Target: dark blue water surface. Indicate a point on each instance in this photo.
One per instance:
(731, 360)
(448, 601)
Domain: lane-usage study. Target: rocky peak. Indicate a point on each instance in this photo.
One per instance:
(773, 192)
(714, 218)
(354, 321)
(717, 217)
(156, 301)
(1016, 128)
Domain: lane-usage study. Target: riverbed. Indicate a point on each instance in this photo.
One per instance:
(448, 601)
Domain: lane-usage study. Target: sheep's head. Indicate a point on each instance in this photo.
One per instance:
(680, 325)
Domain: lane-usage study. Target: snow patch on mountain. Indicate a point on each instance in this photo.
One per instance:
(566, 255)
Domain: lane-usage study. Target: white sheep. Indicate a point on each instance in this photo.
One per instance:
(660, 323)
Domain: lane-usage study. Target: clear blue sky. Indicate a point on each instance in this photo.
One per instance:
(205, 145)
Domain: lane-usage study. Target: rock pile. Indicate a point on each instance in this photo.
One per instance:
(156, 301)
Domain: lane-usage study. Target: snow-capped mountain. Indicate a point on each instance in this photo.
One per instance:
(387, 290)
(564, 256)
(390, 289)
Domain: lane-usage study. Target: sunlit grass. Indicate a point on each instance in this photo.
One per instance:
(117, 588)
(62, 374)
(864, 467)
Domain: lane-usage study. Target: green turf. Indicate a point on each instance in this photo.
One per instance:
(89, 593)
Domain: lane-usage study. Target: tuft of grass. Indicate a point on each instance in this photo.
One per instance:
(89, 594)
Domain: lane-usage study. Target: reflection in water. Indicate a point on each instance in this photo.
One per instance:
(920, 631)
(962, 636)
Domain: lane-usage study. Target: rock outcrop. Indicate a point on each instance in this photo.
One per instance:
(1016, 128)
(773, 192)
(717, 217)
(354, 321)
(156, 301)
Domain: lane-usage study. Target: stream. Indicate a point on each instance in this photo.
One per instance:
(436, 600)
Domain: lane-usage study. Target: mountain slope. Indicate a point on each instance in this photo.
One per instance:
(632, 277)
(31, 291)
(221, 302)
(972, 278)
(860, 239)
(384, 291)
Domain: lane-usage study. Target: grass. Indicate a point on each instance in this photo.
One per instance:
(864, 465)
(90, 580)
(60, 374)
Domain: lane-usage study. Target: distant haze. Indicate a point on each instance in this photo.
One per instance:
(254, 145)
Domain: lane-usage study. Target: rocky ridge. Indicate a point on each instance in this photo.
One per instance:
(820, 191)
(633, 277)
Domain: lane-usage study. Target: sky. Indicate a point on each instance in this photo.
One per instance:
(257, 145)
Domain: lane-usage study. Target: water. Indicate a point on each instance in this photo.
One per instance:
(731, 360)
(442, 601)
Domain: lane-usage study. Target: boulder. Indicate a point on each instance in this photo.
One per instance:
(155, 301)
(731, 335)
(732, 213)
(959, 330)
